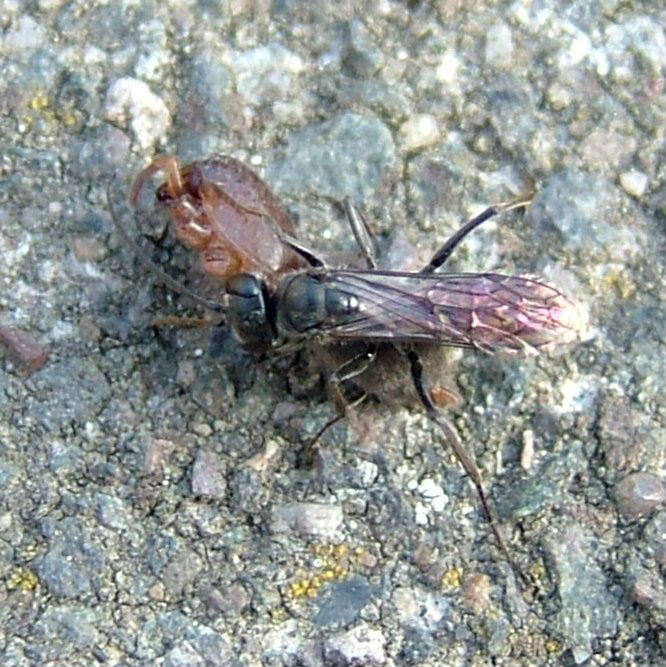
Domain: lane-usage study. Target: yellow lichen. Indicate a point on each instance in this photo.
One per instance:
(39, 102)
(23, 579)
(340, 550)
(331, 562)
(29, 552)
(452, 578)
(621, 282)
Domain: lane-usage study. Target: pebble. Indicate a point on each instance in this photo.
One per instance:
(267, 73)
(313, 519)
(281, 641)
(419, 131)
(643, 592)
(5, 521)
(23, 348)
(156, 592)
(559, 96)
(111, 512)
(231, 600)
(155, 455)
(88, 248)
(368, 472)
(416, 607)
(264, 458)
(203, 429)
(433, 494)
(634, 182)
(639, 493)
(26, 36)
(343, 601)
(447, 70)
(476, 592)
(499, 46)
(73, 562)
(130, 102)
(359, 646)
(420, 514)
(184, 655)
(207, 476)
(527, 451)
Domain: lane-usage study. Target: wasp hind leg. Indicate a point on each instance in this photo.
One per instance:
(464, 458)
(440, 257)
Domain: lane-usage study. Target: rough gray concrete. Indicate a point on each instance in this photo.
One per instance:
(131, 532)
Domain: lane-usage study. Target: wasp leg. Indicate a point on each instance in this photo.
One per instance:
(361, 232)
(450, 245)
(350, 369)
(469, 465)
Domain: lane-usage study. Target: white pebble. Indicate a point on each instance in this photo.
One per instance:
(419, 131)
(447, 70)
(634, 182)
(420, 514)
(369, 472)
(527, 452)
(499, 46)
(433, 494)
(130, 102)
(428, 488)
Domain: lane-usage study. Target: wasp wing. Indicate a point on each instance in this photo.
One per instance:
(488, 311)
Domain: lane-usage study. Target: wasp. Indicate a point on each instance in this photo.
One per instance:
(488, 312)
(367, 310)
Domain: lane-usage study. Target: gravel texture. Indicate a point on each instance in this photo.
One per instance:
(155, 507)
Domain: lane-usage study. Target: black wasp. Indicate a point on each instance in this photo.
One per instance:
(489, 312)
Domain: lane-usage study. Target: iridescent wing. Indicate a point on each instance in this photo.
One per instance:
(487, 311)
